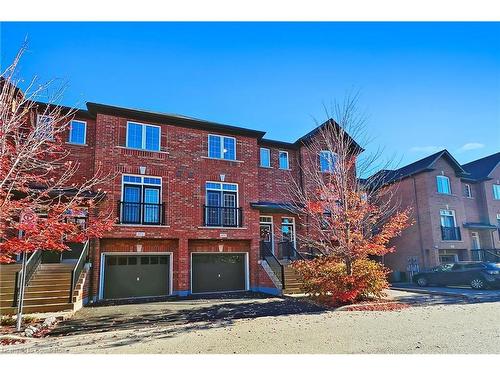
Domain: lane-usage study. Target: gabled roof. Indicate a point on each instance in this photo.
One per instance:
(186, 121)
(481, 169)
(387, 176)
(306, 138)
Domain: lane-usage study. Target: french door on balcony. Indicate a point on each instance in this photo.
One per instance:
(141, 204)
(221, 209)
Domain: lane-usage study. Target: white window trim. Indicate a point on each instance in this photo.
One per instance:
(449, 184)
(142, 183)
(287, 160)
(260, 157)
(222, 147)
(333, 160)
(222, 189)
(51, 135)
(452, 214)
(143, 145)
(84, 133)
(493, 191)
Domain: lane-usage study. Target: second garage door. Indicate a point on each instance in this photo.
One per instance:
(218, 272)
(128, 276)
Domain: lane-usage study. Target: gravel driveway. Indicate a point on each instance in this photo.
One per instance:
(258, 324)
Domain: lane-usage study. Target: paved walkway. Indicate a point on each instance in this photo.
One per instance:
(261, 324)
(472, 295)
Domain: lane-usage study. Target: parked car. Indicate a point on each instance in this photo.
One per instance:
(478, 275)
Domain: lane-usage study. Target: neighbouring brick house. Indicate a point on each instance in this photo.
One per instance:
(456, 210)
(201, 207)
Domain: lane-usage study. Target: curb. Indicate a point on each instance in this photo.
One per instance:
(432, 292)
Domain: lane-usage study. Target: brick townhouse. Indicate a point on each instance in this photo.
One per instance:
(456, 209)
(201, 207)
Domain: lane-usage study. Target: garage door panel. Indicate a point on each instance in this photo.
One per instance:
(136, 276)
(218, 272)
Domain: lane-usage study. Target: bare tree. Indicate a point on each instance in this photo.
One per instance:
(345, 216)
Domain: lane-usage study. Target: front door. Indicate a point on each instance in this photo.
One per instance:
(266, 234)
(288, 230)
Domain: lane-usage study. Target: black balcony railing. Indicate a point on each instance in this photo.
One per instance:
(450, 234)
(486, 255)
(141, 213)
(215, 216)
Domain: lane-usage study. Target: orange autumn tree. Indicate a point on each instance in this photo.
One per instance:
(349, 220)
(43, 206)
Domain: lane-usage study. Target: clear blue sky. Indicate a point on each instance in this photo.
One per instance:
(424, 85)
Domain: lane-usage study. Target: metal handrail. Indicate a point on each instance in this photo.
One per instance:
(487, 255)
(31, 266)
(221, 216)
(287, 250)
(278, 269)
(77, 270)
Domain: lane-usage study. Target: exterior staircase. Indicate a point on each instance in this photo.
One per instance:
(47, 291)
(293, 285)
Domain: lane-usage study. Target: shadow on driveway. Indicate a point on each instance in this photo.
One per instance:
(181, 315)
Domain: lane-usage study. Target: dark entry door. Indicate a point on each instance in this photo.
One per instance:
(218, 272)
(128, 276)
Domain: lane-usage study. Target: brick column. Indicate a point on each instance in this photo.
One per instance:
(181, 277)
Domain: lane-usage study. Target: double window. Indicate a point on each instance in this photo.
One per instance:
(44, 128)
(221, 205)
(326, 161)
(283, 158)
(77, 132)
(141, 200)
(220, 147)
(449, 230)
(467, 191)
(143, 136)
(496, 192)
(443, 185)
(265, 157)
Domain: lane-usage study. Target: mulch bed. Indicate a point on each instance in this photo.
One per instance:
(378, 306)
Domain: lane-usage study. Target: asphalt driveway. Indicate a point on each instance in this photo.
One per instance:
(471, 295)
(262, 324)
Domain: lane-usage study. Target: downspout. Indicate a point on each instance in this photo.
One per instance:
(422, 251)
(301, 179)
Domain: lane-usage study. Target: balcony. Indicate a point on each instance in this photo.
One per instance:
(450, 234)
(216, 216)
(141, 213)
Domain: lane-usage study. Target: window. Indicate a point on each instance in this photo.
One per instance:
(447, 218)
(449, 229)
(283, 156)
(498, 225)
(220, 147)
(443, 185)
(221, 205)
(325, 220)
(496, 192)
(326, 161)
(265, 157)
(77, 132)
(142, 136)
(44, 128)
(141, 200)
(467, 191)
